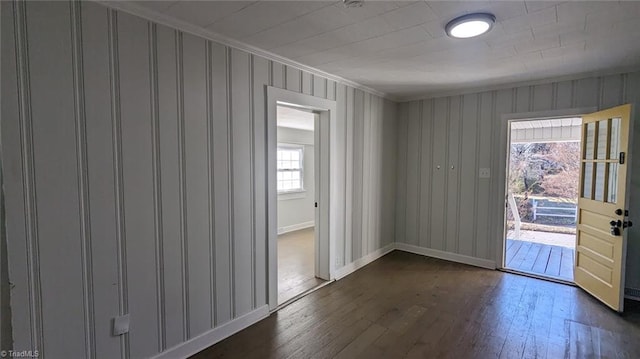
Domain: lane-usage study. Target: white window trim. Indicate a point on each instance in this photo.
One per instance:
(301, 190)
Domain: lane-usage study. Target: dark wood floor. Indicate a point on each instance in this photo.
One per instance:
(540, 259)
(409, 306)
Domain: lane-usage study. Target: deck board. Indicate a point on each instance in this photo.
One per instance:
(542, 259)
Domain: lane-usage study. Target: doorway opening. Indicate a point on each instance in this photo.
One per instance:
(543, 180)
(296, 180)
(325, 202)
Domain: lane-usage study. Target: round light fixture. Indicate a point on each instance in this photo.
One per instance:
(470, 25)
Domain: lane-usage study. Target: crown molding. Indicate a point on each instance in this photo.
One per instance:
(170, 21)
(510, 85)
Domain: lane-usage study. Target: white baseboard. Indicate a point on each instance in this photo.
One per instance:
(359, 263)
(296, 227)
(207, 339)
(454, 257)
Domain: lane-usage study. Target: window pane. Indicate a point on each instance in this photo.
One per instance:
(295, 156)
(587, 178)
(615, 138)
(613, 183)
(600, 168)
(602, 139)
(589, 140)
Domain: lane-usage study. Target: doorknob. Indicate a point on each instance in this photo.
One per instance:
(617, 223)
(619, 212)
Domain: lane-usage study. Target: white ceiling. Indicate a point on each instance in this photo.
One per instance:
(292, 118)
(400, 47)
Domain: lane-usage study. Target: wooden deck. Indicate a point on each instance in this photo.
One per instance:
(541, 259)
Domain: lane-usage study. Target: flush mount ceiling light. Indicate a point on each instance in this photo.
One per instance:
(470, 25)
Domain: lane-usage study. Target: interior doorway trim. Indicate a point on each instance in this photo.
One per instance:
(326, 186)
(498, 224)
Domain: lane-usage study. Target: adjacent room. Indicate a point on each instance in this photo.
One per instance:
(319, 179)
(296, 203)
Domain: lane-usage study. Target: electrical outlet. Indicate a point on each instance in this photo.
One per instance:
(485, 173)
(121, 325)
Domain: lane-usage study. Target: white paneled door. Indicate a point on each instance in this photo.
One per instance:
(601, 236)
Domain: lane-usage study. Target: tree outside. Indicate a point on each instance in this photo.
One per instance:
(548, 173)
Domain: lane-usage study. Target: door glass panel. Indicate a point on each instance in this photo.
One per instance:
(613, 183)
(615, 138)
(602, 139)
(589, 140)
(588, 176)
(599, 193)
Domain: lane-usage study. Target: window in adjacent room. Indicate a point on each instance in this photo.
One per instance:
(290, 168)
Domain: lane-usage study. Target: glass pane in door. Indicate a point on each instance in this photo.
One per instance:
(613, 183)
(589, 140)
(614, 147)
(602, 139)
(599, 190)
(588, 176)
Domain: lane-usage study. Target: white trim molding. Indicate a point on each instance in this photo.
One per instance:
(215, 335)
(160, 18)
(359, 263)
(296, 227)
(453, 257)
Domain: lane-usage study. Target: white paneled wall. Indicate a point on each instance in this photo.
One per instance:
(134, 170)
(442, 205)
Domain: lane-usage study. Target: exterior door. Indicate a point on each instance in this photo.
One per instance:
(602, 219)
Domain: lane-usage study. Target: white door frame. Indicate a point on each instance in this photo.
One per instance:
(500, 224)
(324, 187)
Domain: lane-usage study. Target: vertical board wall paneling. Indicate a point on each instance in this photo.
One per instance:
(348, 203)
(453, 176)
(413, 176)
(221, 185)
(366, 180)
(56, 196)
(631, 94)
(425, 166)
(389, 148)
(261, 76)
(358, 155)
(196, 165)
(341, 143)
(137, 172)
(174, 304)
(241, 180)
(152, 140)
(480, 134)
(468, 174)
(484, 161)
(102, 206)
(439, 174)
(401, 180)
(14, 175)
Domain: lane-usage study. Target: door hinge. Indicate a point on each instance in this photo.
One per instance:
(316, 204)
(621, 158)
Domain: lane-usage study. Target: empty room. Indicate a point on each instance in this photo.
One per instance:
(319, 179)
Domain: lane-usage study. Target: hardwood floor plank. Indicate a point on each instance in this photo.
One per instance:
(408, 306)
